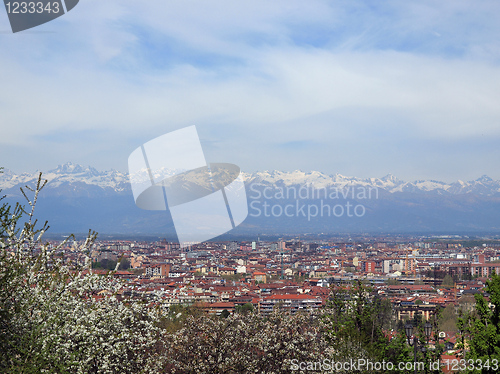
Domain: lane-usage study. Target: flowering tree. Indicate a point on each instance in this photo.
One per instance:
(52, 320)
(244, 343)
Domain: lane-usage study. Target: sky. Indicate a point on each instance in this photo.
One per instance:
(360, 88)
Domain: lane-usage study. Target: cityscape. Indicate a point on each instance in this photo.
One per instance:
(432, 281)
(249, 187)
(220, 276)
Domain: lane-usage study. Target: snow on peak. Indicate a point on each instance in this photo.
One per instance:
(69, 173)
(70, 168)
(390, 178)
(484, 179)
(390, 183)
(118, 181)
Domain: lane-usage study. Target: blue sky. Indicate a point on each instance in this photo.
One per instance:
(359, 88)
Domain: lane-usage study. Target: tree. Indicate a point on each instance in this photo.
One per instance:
(243, 343)
(359, 326)
(104, 264)
(449, 319)
(448, 281)
(52, 319)
(358, 322)
(482, 327)
(245, 308)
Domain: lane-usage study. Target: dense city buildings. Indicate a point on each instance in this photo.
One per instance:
(416, 278)
(296, 274)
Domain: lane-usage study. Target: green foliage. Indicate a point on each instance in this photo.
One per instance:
(245, 308)
(358, 319)
(359, 326)
(392, 282)
(299, 278)
(448, 281)
(111, 265)
(233, 277)
(104, 264)
(398, 350)
(449, 319)
(481, 328)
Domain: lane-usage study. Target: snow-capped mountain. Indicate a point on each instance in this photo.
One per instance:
(119, 182)
(67, 174)
(77, 198)
(483, 185)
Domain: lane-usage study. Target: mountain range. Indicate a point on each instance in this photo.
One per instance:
(77, 198)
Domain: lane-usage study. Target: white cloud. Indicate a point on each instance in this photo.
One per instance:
(272, 71)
